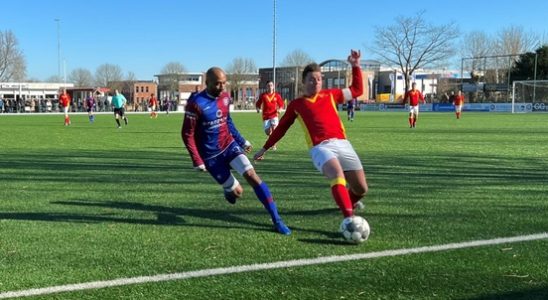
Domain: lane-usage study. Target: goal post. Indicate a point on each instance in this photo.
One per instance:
(533, 92)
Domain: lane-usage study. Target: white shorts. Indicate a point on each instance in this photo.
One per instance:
(66, 110)
(270, 123)
(414, 109)
(335, 148)
(458, 108)
(241, 164)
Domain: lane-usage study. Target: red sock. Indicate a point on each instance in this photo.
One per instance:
(411, 121)
(340, 194)
(414, 121)
(458, 115)
(353, 197)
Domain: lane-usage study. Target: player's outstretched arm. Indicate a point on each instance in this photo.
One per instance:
(260, 154)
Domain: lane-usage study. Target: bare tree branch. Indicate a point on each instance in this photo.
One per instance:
(81, 77)
(106, 73)
(296, 58)
(413, 44)
(173, 68)
(238, 72)
(12, 62)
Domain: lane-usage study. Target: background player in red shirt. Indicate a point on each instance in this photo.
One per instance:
(152, 104)
(413, 96)
(331, 152)
(270, 103)
(64, 101)
(458, 101)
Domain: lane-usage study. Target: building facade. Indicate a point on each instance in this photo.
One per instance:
(31, 90)
(177, 87)
(137, 92)
(243, 88)
(336, 74)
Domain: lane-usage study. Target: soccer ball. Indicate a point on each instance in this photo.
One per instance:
(355, 229)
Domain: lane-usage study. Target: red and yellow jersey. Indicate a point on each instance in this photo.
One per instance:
(413, 96)
(152, 102)
(318, 114)
(459, 100)
(270, 104)
(64, 100)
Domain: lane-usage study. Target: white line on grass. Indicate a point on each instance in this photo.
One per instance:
(266, 266)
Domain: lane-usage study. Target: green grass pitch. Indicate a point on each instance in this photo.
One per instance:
(91, 202)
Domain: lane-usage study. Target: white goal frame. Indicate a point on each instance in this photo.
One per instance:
(534, 83)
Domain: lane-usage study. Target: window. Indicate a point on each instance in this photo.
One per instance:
(136, 89)
(147, 89)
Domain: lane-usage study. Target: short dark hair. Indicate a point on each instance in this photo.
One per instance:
(313, 67)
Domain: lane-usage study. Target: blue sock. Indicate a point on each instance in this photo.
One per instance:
(263, 193)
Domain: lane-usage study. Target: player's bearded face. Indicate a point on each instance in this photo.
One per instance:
(216, 85)
(313, 83)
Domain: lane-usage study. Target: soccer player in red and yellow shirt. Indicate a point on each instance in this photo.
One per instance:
(152, 104)
(413, 96)
(331, 152)
(270, 103)
(64, 101)
(458, 102)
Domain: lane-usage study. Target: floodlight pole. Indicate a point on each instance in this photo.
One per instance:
(58, 48)
(274, 46)
(535, 78)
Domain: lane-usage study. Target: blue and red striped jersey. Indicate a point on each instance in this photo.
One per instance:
(207, 127)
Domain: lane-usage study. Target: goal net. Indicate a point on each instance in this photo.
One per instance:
(533, 93)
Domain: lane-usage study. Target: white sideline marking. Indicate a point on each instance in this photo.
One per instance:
(266, 266)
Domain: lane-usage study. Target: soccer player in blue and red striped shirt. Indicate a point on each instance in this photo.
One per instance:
(90, 107)
(216, 146)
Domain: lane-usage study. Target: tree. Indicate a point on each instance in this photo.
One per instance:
(131, 77)
(238, 72)
(81, 77)
(476, 44)
(54, 78)
(128, 87)
(172, 82)
(514, 40)
(507, 45)
(296, 58)
(173, 68)
(412, 44)
(524, 68)
(12, 62)
(106, 73)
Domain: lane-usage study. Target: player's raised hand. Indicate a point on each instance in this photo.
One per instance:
(354, 58)
(259, 155)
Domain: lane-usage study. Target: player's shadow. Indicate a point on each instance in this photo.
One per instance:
(234, 218)
(167, 216)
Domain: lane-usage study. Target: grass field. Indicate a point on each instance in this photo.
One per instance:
(91, 202)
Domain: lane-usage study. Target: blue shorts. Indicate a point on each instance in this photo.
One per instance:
(219, 166)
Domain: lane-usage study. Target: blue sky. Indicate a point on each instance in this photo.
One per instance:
(142, 36)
